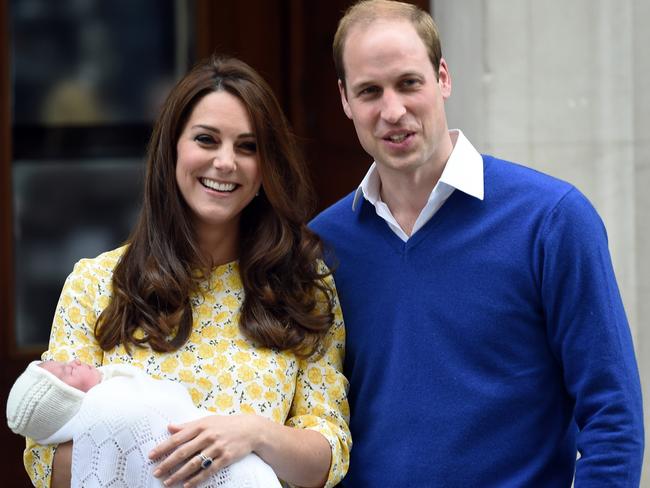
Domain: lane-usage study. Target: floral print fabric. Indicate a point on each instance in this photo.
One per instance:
(222, 369)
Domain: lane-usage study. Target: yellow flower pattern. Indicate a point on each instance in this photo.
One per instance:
(223, 370)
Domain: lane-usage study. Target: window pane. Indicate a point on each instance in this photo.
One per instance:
(91, 62)
(88, 77)
(64, 211)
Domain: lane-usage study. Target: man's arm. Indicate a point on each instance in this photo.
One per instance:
(589, 334)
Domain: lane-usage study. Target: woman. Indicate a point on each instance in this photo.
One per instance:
(220, 287)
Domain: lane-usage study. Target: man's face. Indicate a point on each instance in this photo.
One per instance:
(394, 98)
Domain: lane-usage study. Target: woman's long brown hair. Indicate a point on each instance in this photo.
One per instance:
(287, 304)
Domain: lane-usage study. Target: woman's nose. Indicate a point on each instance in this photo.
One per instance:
(224, 160)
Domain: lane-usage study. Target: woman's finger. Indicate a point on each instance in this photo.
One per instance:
(190, 467)
(180, 435)
(181, 455)
(184, 455)
(197, 469)
(208, 466)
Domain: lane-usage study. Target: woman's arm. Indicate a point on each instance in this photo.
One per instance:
(320, 399)
(71, 337)
(62, 466)
(300, 457)
(295, 454)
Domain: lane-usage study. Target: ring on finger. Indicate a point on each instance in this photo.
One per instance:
(206, 461)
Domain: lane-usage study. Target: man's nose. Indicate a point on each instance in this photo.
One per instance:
(392, 109)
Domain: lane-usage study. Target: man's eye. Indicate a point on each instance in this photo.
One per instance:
(410, 83)
(369, 91)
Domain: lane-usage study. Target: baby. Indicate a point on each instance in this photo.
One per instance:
(115, 415)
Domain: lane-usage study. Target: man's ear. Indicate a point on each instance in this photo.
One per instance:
(344, 100)
(444, 79)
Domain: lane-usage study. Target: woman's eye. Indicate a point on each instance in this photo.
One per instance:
(249, 147)
(204, 139)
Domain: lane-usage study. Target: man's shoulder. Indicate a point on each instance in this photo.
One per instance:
(514, 178)
(336, 213)
(515, 186)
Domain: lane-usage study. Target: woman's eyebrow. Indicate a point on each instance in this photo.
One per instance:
(206, 127)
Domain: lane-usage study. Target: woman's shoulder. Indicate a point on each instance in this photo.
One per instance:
(321, 266)
(102, 264)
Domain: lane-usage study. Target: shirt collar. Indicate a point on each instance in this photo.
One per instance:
(463, 171)
(464, 168)
(369, 187)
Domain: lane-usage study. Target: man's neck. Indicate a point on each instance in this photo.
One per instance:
(406, 193)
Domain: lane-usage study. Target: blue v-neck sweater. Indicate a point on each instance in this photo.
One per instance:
(491, 346)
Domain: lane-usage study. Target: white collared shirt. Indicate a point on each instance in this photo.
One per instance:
(463, 171)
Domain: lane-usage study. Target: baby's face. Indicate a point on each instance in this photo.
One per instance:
(79, 375)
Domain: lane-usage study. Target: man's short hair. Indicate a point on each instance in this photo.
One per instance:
(365, 12)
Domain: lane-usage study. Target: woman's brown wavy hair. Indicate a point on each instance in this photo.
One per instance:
(287, 304)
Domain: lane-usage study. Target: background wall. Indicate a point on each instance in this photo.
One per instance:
(563, 87)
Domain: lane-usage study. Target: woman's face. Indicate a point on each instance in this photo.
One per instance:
(217, 167)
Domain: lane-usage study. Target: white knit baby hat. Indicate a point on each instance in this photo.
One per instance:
(39, 403)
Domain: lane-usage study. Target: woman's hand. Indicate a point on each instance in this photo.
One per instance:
(301, 457)
(224, 439)
(62, 466)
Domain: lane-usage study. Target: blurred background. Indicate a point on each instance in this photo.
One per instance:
(559, 86)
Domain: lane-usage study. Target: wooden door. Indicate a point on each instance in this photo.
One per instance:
(289, 43)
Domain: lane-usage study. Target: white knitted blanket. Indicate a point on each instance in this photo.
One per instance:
(124, 417)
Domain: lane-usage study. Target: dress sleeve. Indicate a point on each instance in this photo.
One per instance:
(71, 337)
(320, 401)
(589, 334)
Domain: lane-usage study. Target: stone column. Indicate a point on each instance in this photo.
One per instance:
(564, 87)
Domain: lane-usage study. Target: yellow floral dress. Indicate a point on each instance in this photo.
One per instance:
(223, 371)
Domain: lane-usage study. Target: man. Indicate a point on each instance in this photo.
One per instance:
(487, 343)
